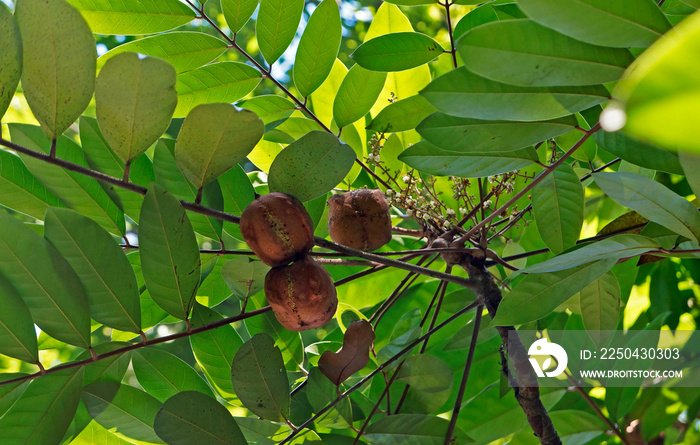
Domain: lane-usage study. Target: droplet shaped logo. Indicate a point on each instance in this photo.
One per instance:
(545, 347)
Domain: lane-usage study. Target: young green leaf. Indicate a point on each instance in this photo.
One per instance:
(651, 200)
(128, 411)
(135, 98)
(17, 335)
(10, 58)
(44, 411)
(352, 357)
(522, 52)
(133, 17)
(214, 138)
(318, 48)
(79, 192)
(192, 417)
(638, 152)
(46, 281)
(397, 52)
(185, 51)
(164, 375)
(402, 115)
(238, 12)
(600, 307)
(259, 378)
(475, 136)
(219, 82)
(356, 95)
(433, 160)
(244, 277)
(633, 23)
(107, 276)
(311, 166)
(537, 295)
(465, 94)
(659, 111)
(20, 190)
(557, 203)
(276, 26)
(169, 252)
(58, 76)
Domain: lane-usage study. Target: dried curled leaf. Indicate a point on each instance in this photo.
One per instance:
(352, 357)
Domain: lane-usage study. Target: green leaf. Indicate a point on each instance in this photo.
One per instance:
(557, 203)
(20, 191)
(10, 59)
(44, 411)
(318, 48)
(522, 52)
(632, 23)
(465, 94)
(192, 417)
(58, 76)
(311, 166)
(185, 51)
(214, 350)
(169, 175)
(79, 192)
(616, 247)
(276, 26)
(357, 94)
(46, 281)
(537, 295)
(397, 51)
(133, 17)
(135, 98)
(96, 434)
(433, 160)
(289, 342)
(411, 429)
(164, 375)
(272, 110)
(259, 378)
(402, 115)
(219, 82)
(466, 135)
(638, 152)
(238, 192)
(411, 2)
(108, 369)
(99, 262)
(691, 168)
(660, 111)
(127, 411)
(320, 391)
(651, 200)
(600, 306)
(426, 373)
(238, 12)
(475, 17)
(244, 277)
(214, 138)
(169, 252)
(17, 335)
(100, 157)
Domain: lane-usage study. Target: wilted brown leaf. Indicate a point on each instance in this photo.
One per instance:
(352, 357)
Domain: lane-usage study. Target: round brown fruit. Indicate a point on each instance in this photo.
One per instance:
(359, 219)
(277, 228)
(302, 295)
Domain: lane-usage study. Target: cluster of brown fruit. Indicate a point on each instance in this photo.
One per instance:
(279, 230)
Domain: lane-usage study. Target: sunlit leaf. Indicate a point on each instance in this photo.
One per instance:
(356, 95)
(106, 275)
(600, 306)
(633, 23)
(397, 51)
(238, 12)
(164, 375)
(478, 16)
(17, 335)
(402, 115)
(19, 189)
(259, 378)
(311, 166)
(272, 110)
(244, 277)
(318, 48)
(58, 76)
(238, 192)
(192, 417)
(169, 252)
(10, 58)
(276, 26)
(638, 152)
(135, 99)
(132, 17)
(465, 94)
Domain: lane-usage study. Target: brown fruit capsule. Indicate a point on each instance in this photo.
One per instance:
(359, 219)
(302, 295)
(277, 228)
